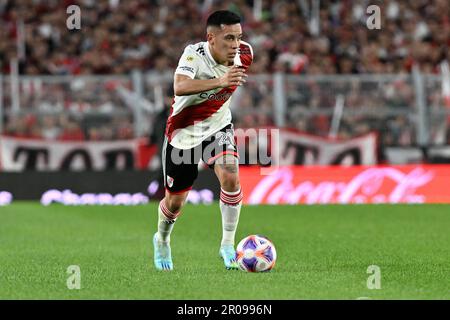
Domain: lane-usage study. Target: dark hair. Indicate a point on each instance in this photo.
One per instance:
(222, 17)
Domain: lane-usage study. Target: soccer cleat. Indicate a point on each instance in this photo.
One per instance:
(228, 255)
(162, 254)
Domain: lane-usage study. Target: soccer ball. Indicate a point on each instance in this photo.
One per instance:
(256, 253)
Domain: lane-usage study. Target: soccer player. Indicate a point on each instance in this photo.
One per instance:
(199, 126)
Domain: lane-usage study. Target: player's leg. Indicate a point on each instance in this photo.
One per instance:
(227, 171)
(221, 155)
(178, 180)
(168, 211)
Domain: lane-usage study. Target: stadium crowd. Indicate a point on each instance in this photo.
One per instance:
(117, 37)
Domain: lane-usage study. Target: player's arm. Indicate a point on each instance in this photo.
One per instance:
(184, 85)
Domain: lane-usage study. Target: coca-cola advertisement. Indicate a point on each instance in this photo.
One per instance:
(346, 185)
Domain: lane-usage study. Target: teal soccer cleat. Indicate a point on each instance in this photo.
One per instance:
(228, 255)
(162, 255)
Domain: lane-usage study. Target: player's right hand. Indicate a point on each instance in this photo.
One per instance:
(234, 77)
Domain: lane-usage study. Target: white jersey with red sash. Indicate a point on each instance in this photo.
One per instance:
(195, 117)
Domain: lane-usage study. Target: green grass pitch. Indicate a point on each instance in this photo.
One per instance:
(323, 252)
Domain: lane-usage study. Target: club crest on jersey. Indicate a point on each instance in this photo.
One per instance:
(169, 182)
(189, 58)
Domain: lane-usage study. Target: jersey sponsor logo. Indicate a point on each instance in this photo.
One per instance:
(217, 97)
(188, 69)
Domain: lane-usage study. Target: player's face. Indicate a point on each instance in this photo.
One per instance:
(225, 42)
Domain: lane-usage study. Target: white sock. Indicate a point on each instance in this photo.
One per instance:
(166, 222)
(230, 207)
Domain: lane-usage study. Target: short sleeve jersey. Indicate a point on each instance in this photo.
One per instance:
(195, 117)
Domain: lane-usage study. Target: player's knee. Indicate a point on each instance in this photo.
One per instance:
(230, 182)
(174, 204)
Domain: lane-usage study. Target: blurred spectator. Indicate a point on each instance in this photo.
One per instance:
(50, 129)
(72, 132)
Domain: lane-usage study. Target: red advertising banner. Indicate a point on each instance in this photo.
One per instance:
(342, 185)
(22, 154)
